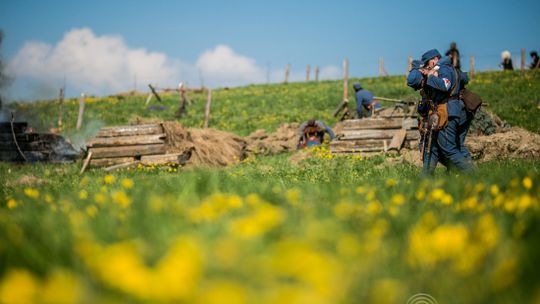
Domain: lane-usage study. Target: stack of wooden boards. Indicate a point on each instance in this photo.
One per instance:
(18, 143)
(374, 135)
(119, 145)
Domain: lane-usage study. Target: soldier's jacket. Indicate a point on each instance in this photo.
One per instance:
(439, 88)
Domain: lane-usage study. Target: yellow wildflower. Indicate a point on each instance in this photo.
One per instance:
(398, 199)
(121, 198)
(11, 203)
(527, 183)
(18, 286)
(31, 192)
(127, 183)
(494, 190)
(391, 182)
(83, 194)
(109, 179)
(61, 287)
(91, 210)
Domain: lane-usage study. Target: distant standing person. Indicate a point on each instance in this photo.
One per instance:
(535, 62)
(506, 63)
(365, 101)
(453, 54)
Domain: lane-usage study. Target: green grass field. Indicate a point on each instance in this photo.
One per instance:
(329, 230)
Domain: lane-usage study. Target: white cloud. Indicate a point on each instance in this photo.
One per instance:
(223, 67)
(104, 64)
(96, 64)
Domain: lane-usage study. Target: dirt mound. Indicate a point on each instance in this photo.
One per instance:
(208, 146)
(284, 139)
(509, 143)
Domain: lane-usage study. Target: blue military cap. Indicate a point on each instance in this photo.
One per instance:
(430, 55)
(357, 86)
(416, 64)
(414, 80)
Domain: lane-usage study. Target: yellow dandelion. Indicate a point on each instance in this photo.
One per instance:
(109, 179)
(447, 199)
(48, 198)
(494, 190)
(100, 198)
(127, 183)
(18, 286)
(91, 210)
(121, 198)
(398, 199)
(31, 192)
(83, 194)
(391, 182)
(11, 203)
(293, 196)
(527, 183)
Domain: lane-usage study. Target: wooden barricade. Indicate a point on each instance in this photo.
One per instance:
(134, 144)
(370, 135)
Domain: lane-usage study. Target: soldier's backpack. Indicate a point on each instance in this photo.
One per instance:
(471, 100)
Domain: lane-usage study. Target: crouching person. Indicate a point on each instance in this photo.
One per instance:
(311, 133)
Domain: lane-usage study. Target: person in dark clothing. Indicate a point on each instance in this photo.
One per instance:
(365, 101)
(535, 62)
(506, 63)
(311, 133)
(453, 54)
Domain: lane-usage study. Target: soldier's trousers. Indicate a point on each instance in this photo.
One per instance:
(448, 147)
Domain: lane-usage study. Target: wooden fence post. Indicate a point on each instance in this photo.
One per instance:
(346, 79)
(60, 107)
(287, 73)
(382, 70)
(317, 73)
(471, 67)
(81, 112)
(523, 59)
(207, 109)
(308, 71)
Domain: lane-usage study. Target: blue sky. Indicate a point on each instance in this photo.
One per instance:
(103, 47)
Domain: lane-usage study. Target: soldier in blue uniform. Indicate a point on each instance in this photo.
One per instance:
(365, 101)
(441, 84)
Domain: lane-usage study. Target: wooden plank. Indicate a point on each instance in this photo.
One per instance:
(380, 123)
(122, 166)
(135, 151)
(126, 140)
(161, 159)
(134, 130)
(409, 123)
(86, 162)
(356, 143)
(375, 134)
(357, 150)
(373, 123)
(397, 140)
(106, 162)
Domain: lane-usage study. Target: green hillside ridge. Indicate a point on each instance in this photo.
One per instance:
(510, 94)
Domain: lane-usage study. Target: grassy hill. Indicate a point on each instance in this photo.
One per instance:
(511, 95)
(267, 230)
